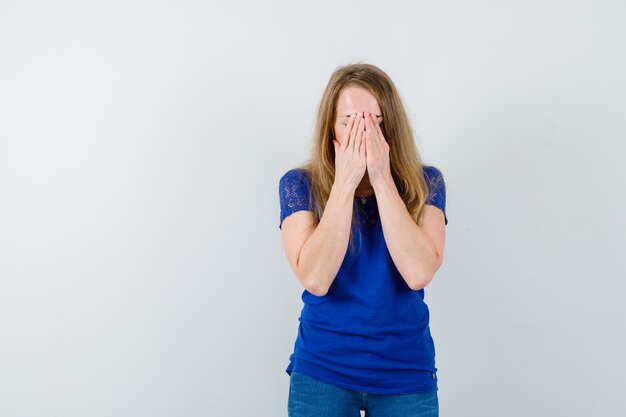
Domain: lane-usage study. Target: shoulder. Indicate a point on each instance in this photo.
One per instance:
(295, 192)
(295, 179)
(436, 188)
(432, 173)
(434, 178)
(296, 174)
(295, 183)
(436, 185)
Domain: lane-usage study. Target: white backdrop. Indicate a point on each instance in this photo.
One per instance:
(141, 143)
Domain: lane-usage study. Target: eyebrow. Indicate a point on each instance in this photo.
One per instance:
(348, 115)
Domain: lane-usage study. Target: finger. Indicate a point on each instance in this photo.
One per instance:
(370, 139)
(372, 122)
(363, 148)
(361, 128)
(355, 126)
(368, 125)
(359, 134)
(357, 141)
(347, 130)
(371, 145)
(380, 131)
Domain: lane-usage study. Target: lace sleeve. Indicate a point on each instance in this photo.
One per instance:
(294, 189)
(436, 189)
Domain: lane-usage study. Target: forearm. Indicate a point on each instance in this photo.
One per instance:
(324, 251)
(411, 249)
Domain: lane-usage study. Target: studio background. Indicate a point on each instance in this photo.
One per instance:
(141, 144)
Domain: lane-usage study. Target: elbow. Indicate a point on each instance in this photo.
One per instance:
(422, 279)
(317, 289)
(314, 286)
(419, 282)
(318, 292)
(310, 282)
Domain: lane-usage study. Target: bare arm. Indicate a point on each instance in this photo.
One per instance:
(416, 250)
(316, 253)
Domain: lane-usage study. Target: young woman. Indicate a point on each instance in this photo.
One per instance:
(363, 228)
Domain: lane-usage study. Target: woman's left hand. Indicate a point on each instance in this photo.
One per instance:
(376, 151)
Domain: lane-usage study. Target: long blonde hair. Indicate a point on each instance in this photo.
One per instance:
(404, 158)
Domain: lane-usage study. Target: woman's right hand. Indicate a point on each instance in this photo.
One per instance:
(350, 159)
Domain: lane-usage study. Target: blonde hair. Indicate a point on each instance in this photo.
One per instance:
(404, 158)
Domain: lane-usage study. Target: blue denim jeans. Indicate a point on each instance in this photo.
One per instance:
(310, 397)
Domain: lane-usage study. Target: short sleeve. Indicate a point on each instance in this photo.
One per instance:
(437, 189)
(294, 190)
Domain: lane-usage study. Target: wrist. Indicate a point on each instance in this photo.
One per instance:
(385, 182)
(342, 189)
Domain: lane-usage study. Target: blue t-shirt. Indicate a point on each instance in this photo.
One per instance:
(370, 332)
